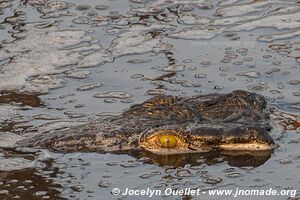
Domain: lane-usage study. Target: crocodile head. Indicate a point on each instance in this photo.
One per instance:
(189, 138)
(172, 125)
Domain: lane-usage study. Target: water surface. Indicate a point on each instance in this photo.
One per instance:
(64, 63)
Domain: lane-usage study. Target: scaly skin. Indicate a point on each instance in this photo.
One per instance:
(172, 125)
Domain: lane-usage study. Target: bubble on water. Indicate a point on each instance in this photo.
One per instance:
(284, 73)
(161, 185)
(191, 84)
(81, 20)
(111, 163)
(205, 62)
(294, 82)
(202, 75)
(138, 61)
(234, 38)
(156, 92)
(205, 5)
(250, 74)
(77, 188)
(238, 62)
(276, 62)
(242, 50)
(78, 74)
(258, 88)
(89, 86)
(114, 94)
(184, 173)
(138, 1)
(110, 100)
(275, 92)
(280, 86)
(108, 114)
(285, 161)
(45, 117)
(173, 68)
(83, 7)
(63, 96)
(73, 114)
(144, 160)
(277, 47)
(149, 175)
(36, 2)
(229, 170)
(225, 60)
(100, 19)
(273, 70)
(296, 93)
(267, 56)
(127, 100)
(284, 52)
(101, 7)
(233, 175)
(91, 13)
(217, 87)
(224, 69)
(55, 6)
(231, 56)
(213, 180)
(104, 184)
(5, 4)
(129, 164)
(187, 61)
(136, 76)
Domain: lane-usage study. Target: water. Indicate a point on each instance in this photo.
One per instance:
(66, 63)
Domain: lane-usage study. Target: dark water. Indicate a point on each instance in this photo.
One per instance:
(58, 58)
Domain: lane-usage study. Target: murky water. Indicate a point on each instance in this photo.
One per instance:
(64, 63)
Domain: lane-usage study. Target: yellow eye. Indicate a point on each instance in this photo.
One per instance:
(167, 141)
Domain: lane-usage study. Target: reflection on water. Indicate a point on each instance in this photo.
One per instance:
(234, 159)
(43, 181)
(22, 99)
(29, 184)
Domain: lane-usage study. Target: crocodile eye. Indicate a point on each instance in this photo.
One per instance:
(167, 141)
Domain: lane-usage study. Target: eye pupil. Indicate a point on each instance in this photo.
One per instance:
(167, 141)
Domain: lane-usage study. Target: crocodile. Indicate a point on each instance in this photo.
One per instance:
(165, 124)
